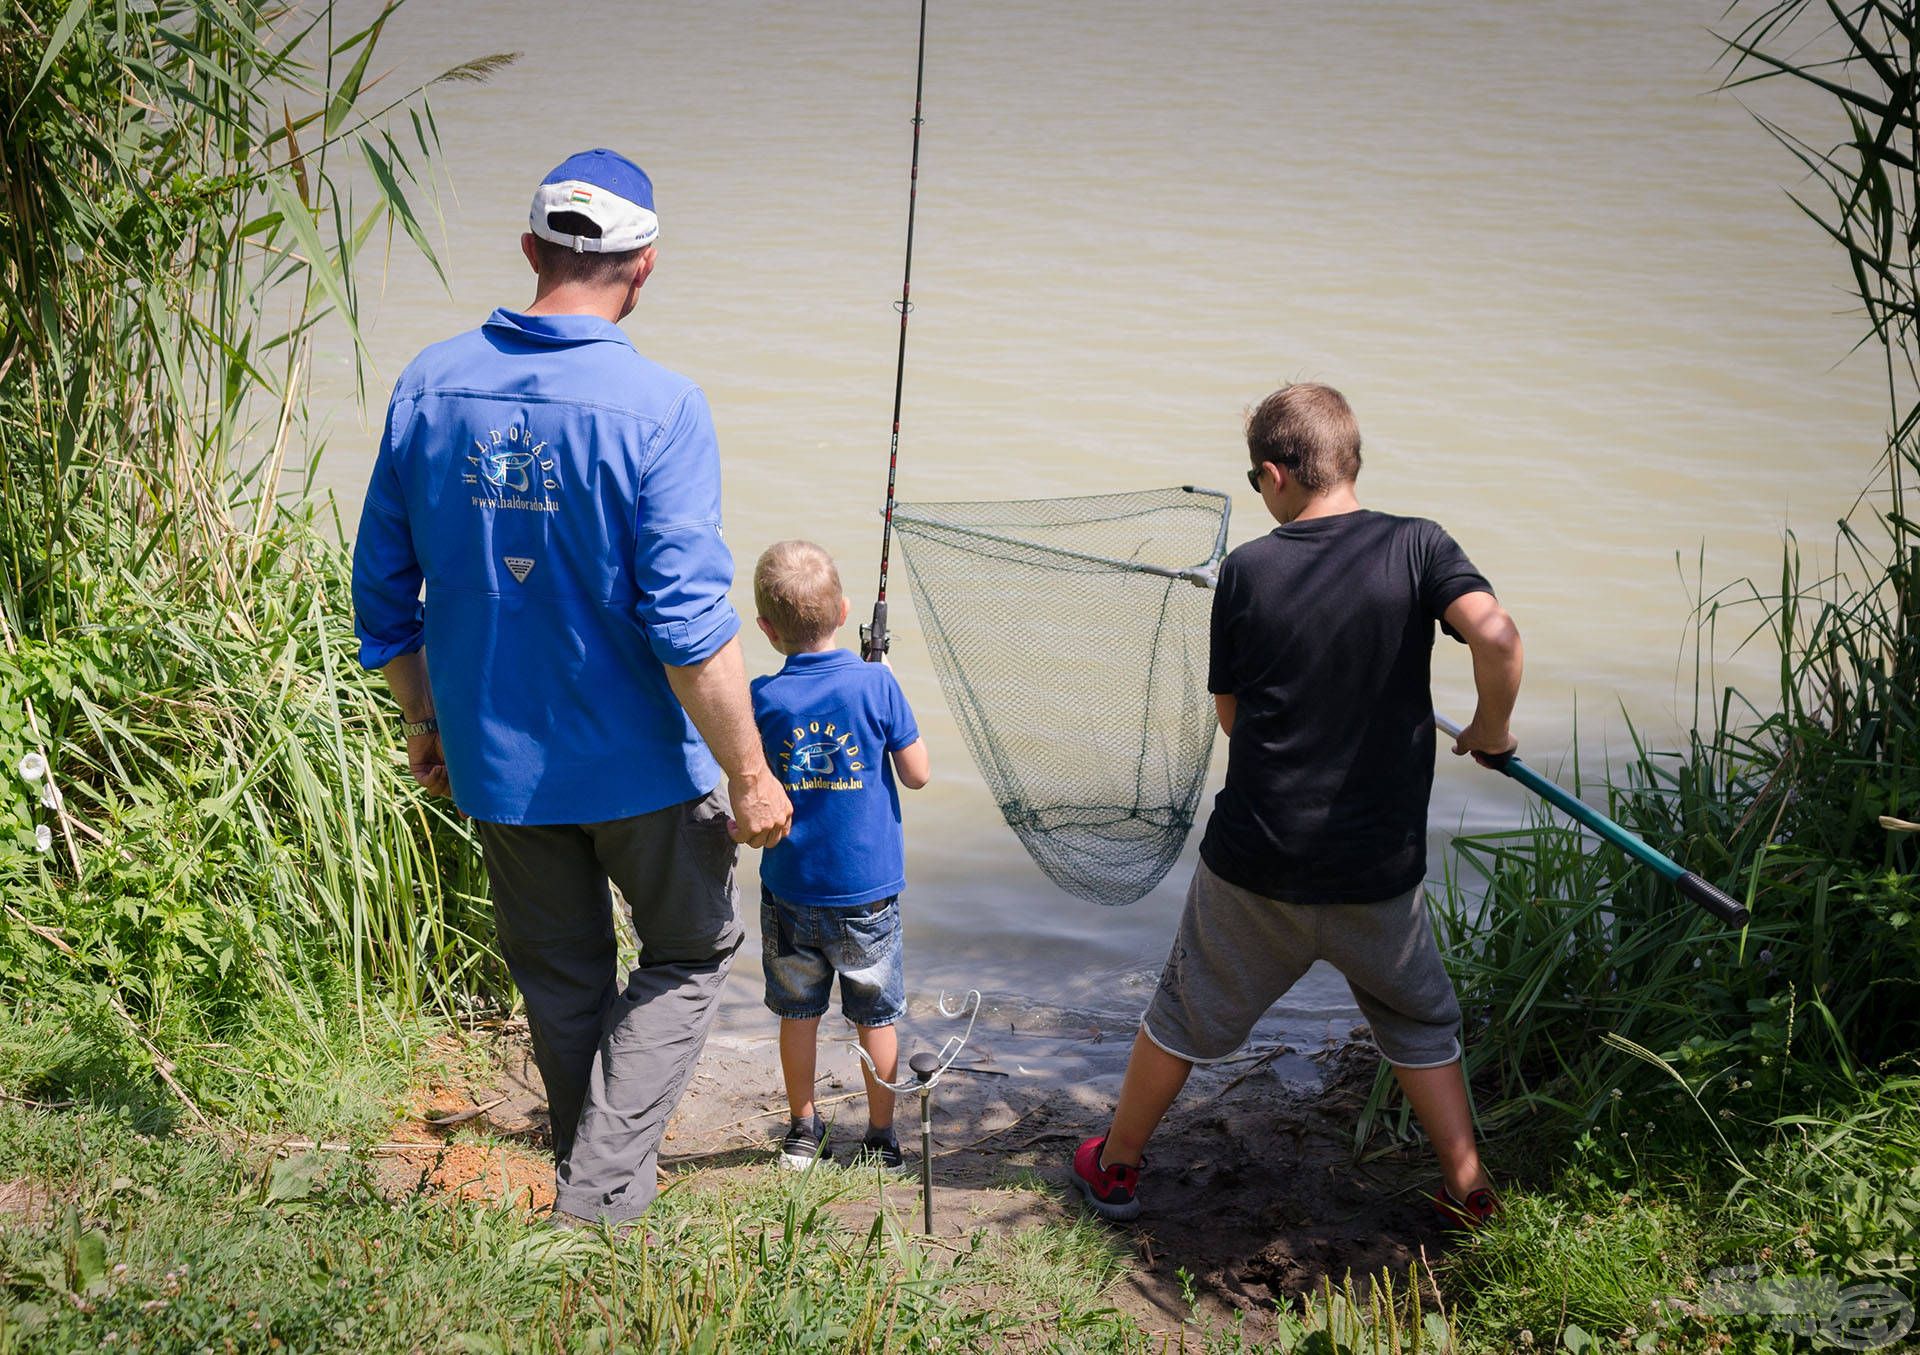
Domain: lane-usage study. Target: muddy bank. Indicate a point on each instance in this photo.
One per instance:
(1252, 1190)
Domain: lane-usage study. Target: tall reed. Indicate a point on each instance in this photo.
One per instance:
(205, 832)
(1598, 1000)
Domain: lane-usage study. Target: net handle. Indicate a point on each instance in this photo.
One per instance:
(1200, 576)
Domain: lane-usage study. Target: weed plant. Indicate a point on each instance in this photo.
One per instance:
(211, 860)
(1794, 805)
(1706, 1097)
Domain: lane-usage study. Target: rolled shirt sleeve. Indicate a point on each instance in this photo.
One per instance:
(387, 612)
(681, 563)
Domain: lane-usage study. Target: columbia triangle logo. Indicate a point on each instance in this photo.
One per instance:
(520, 565)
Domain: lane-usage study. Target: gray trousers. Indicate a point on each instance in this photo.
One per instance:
(615, 1057)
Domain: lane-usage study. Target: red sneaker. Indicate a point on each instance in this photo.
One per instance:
(1470, 1213)
(1110, 1190)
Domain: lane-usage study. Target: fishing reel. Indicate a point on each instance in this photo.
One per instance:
(874, 641)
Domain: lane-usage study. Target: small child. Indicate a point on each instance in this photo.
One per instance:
(830, 894)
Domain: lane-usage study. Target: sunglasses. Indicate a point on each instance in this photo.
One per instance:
(1253, 477)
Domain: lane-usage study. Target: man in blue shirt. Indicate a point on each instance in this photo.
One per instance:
(558, 496)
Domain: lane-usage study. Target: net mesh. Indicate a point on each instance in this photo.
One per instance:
(1070, 636)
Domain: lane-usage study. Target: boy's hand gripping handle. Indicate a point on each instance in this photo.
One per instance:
(1695, 889)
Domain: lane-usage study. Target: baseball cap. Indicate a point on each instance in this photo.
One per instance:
(607, 189)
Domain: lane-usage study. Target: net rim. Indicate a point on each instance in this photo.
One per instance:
(1205, 574)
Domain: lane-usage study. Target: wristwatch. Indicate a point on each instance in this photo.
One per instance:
(413, 729)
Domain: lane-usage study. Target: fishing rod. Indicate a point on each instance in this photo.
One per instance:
(1723, 906)
(873, 637)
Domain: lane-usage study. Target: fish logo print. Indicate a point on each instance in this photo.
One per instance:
(512, 460)
(815, 759)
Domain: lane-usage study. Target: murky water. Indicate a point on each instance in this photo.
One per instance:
(1557, 276)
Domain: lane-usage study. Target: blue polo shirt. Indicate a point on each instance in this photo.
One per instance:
(828, 721)
(558, 497)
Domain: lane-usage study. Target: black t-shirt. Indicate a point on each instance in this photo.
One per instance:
(1323, 631)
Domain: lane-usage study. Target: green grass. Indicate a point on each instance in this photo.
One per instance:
(1622, 1247)
(176, 1244)
(1598, 1261)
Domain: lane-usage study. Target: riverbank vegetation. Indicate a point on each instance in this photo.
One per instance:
(224, 908)
(1714, 1100)
(216, 878)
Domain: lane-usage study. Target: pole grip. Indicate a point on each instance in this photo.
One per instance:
(1723, 906)
(873, 638)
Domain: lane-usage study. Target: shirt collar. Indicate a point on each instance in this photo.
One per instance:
(818, 659)
(557, 330)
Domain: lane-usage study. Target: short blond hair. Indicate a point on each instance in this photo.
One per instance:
(796, 588)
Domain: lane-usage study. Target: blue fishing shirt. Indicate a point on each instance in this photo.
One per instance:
(828, 721)
(559, 497)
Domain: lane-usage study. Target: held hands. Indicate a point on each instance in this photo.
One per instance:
(428, 763)
(1488, 747)
(762, 814)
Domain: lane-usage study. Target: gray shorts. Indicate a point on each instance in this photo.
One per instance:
(1237, 953)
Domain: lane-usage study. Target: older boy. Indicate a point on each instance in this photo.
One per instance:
(1322, 643)
(830, 894)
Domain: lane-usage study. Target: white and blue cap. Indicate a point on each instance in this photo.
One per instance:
(606, 189)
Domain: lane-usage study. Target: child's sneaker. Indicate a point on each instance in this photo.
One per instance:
(805, 1144)
(1470, 1213)
(1110, 1190)
(883, 1147)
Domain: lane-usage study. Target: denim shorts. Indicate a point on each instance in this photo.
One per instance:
(803, 947)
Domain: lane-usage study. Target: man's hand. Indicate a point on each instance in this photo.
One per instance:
(1487, 746)
(406, 676)
(762, 814)
(428, 763)
(714, 692)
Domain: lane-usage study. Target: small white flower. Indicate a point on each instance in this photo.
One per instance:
(49, 797)
(33, 766)
(43, 838)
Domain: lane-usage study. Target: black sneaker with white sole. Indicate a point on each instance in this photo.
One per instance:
(805, 1144)
(881, 1147)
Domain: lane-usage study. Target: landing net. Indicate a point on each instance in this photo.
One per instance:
(1070, 636)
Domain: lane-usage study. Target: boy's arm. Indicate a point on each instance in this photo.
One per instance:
(904, 744)
(1222, 681)
(911, 767)
(1494, 641)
